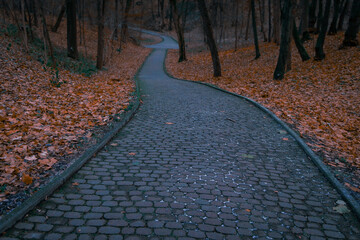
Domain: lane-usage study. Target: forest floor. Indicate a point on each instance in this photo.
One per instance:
(318, 99)
(49, 116)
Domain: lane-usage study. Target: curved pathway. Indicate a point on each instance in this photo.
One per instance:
(193, 163)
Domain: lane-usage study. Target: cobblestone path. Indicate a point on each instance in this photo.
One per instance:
(194, 163)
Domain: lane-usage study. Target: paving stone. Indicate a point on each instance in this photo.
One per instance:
(109, 230)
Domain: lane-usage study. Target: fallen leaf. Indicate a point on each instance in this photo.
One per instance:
(26, 179)
(75, 184)
(132, 153)
(285, 139)
(30, 158)
(169, 123)
(341, 209)
(114, 144)
(355, 189)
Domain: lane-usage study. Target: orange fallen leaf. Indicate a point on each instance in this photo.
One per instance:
(355, 189)
(248, 210)
(26, 179)
(75, 184)
(132, 153)
(285, 139)
(169, 123)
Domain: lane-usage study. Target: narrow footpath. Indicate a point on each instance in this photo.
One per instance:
(193, 163)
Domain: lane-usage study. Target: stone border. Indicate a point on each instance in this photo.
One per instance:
(354, 205)
(19, 212)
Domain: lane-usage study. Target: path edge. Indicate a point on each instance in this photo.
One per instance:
(8, 220)
(350, 200)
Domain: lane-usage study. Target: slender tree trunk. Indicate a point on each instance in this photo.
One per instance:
(236, 22)
(58, 21)
(276, 20)
(333, 25)
(319, 48)
(262, 18)
(116, 20)
(179, 31)
(304, 29)
(171, 17)
(342, 15)
(23, 24)
(248, 22)
(312, 15)
(210, 38)
(30, 21)
(319, 17)
(269, 20)
(285, 41)
(124, 26)
(33, 9)
(256, 42)
(100, 46)
(71, 29)
(46, 35)
(302, 51)
(353, 27)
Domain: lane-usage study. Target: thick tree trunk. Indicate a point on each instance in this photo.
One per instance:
(256, 42)
(100, 46)
(58, 20)
(333, 25)
(353, 27)
(342, 15)
(236, 22)
(179, 31)
(302, 51)
(262, 18)
(71, 29)
(210, 38)
(248, 23)
(124, 26)
(319, 48)
(285, 41)
(276, 20)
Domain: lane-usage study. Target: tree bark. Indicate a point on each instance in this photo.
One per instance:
(116, 20)
(23, 24)
(319, 17)
(353, 27)
(236, 22)
(179, 31)
(71, 29)
(58, 20)
(319, 48)
(342, 15)
(256, 42)
(269, 19)
(262, 18)
(248, 22)
(302, 51)
(210, 37)
(333, 25)
(100, 46)
(285, 41)
(276, 20)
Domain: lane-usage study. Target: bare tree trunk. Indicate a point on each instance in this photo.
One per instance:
(116, 20)
(124, 26)
(210, 38)
(319, 17)
(58, 21)
(276, 20)
(342, 15)
(353, 27)
(319, 48)
(23, 24)
(333, 25)
(302, 51)
(100, 46)
(248, 22)
(269, 20)
(256, 42)
(33, 9)
(285, 41)
(236, 22)
(179, 31)
(312, 15)
(46, 35)
(304, 28)
(262, 18)
(30, 21)
(71, 29)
